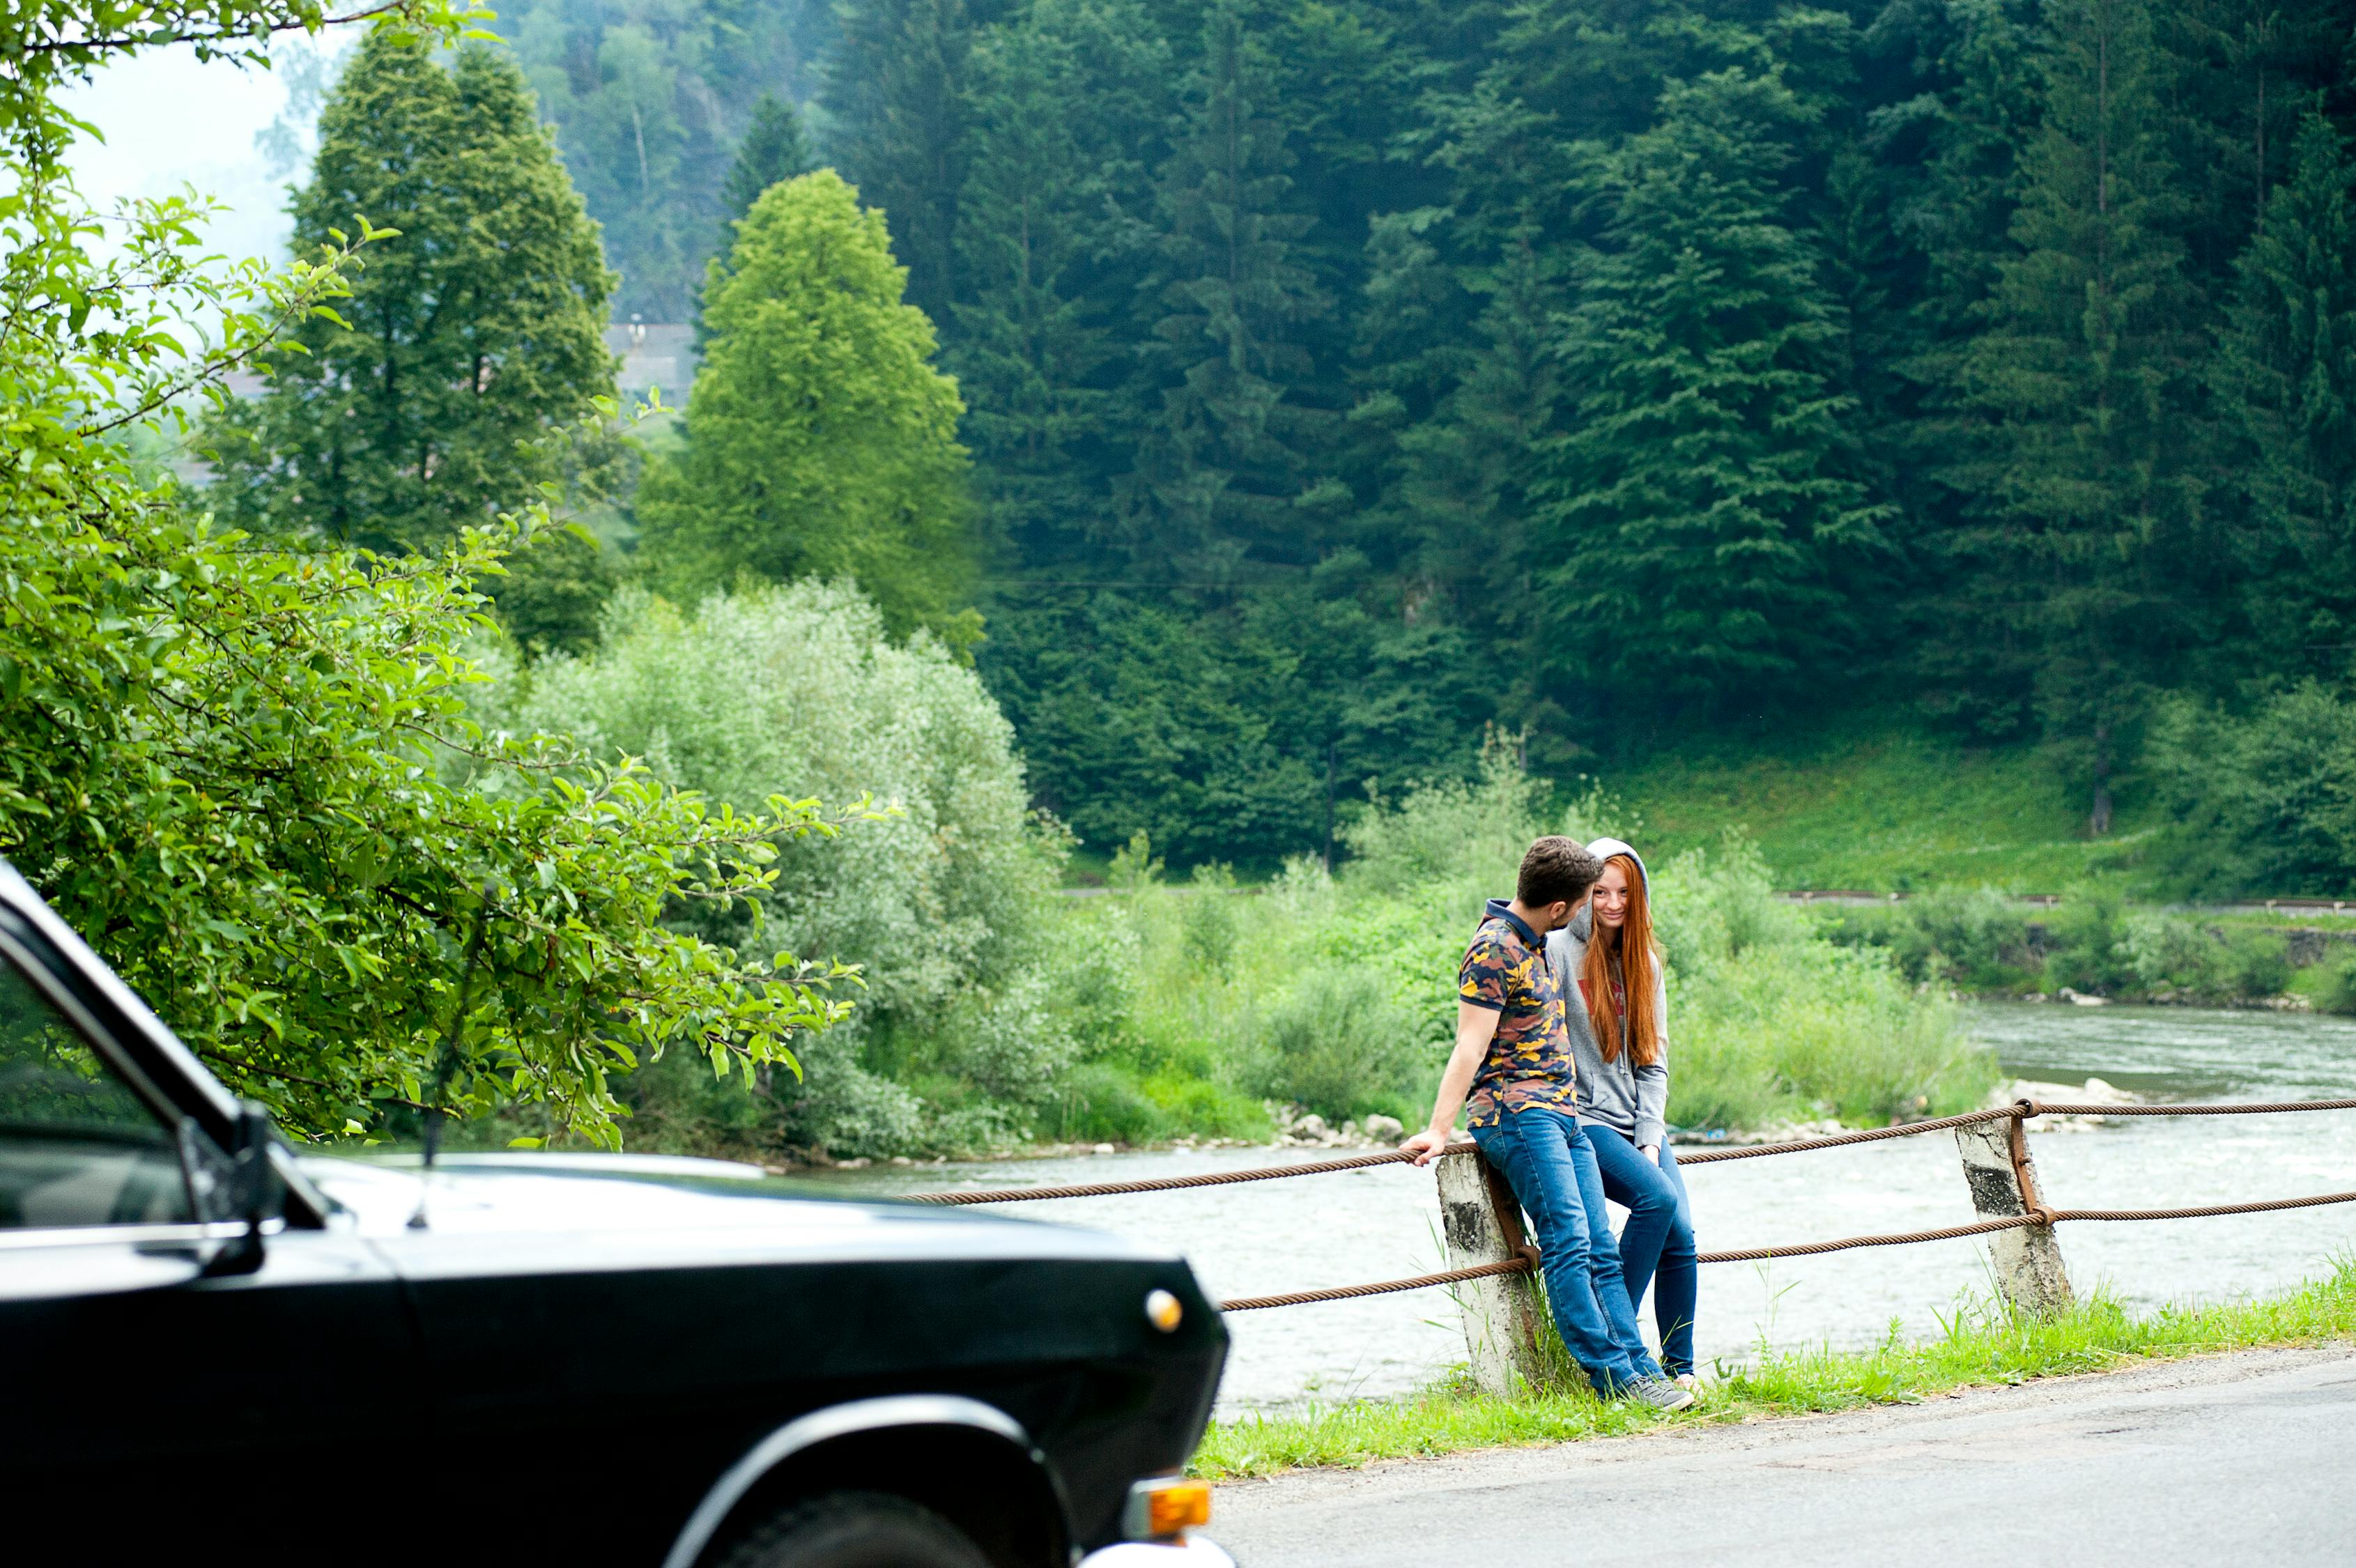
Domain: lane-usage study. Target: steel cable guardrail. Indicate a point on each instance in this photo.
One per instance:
(1527, 1261)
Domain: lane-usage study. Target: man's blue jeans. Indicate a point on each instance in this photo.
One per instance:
(1659, 1235)
(1548, 1162)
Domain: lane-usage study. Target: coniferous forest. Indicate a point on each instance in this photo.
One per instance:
(1344, 378)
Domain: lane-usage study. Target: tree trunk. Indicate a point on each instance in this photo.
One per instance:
(2099, 822)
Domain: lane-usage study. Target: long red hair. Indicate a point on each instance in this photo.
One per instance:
(1632, 948)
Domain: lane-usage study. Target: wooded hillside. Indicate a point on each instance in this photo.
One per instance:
(1345, 376)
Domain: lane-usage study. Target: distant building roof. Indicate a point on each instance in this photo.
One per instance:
(653, 354)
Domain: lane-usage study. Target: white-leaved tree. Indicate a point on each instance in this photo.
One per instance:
(947, 904)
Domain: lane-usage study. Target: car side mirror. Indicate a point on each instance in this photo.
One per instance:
(252, 1192)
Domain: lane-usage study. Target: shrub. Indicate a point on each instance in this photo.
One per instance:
(2267, 798)
(1211, 923)
(2169, 953)
(946, 903)
(1098, 1102)
(2335, 990)
(1337, 1043)
(1770, 1017)
(2089, 938)
(2258, 964)
(1976, 937)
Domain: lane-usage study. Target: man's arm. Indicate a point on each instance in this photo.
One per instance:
(1475, 1026)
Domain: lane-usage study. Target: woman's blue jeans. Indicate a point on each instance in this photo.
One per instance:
(1656, 1245)
(1551, 1168)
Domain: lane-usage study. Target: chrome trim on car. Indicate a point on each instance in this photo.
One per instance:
(823, 1426)
(162, 1233)
(1194, 1552)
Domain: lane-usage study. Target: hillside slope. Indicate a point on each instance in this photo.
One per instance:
(1886, 807)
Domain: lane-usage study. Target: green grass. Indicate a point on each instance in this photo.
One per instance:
(1979, 1347)
(1885, 806)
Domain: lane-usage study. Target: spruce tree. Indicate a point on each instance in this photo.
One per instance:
(775, 147)
(2285, 377)
(1466, 472)
(2087, 373)
(894, 123)
(464, 339)
(1051, 249)
(1953, 209)
(819, 439)
(1696, 520)
(1218, 478)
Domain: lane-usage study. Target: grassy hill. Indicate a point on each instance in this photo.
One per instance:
(1883, 806)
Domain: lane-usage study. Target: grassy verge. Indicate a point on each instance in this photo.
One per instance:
(1978, 1348)
(1888, 807)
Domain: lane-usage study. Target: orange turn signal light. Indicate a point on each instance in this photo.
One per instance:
(1162, 1510)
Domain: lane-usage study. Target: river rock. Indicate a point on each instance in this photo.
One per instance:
(2098, 1090)
(1384, 1129)
(1776, 1132)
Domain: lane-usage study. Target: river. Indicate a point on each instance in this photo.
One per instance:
(1266, 1237)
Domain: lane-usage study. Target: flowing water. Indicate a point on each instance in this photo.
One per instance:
(1261, 1238)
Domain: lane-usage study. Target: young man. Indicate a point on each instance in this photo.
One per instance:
(1512, 1060)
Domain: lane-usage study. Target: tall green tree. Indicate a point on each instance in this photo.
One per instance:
(425, 403)
(1949, 153)
(1219, 481)
(2088, 373)
(819, 439)
(775, 147)
(1467, 472)
(1700, 517)
(2285, 377)
(895, 125)
(1051, 248)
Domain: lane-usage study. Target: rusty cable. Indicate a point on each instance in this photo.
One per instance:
(1529, 1263)
(1840, 1140)
(1519, 1265)
(1809, 1249)
(1171, 1184)
(2268, 1206)
(2017, 1109)
(2255, 1108)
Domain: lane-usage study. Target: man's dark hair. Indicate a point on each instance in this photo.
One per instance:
(1556, 870)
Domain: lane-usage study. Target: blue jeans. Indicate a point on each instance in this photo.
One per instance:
(1659, 1236)
(1551, 1168)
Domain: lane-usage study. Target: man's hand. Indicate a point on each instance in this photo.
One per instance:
(1425, 1145)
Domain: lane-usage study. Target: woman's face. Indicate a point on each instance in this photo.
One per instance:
(1612, 897)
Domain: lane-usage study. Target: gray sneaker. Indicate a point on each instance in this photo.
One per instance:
(1661, 1394)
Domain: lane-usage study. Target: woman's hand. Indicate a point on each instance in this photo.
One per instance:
(1652, 1152)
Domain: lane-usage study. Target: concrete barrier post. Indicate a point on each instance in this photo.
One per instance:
(1506, 1323)
(2003, 1179)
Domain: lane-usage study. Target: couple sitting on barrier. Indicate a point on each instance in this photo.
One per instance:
(1569, 1104)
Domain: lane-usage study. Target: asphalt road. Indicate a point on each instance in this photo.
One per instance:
(2223, 1460)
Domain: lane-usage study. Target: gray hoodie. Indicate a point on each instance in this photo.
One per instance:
(1630, 1100)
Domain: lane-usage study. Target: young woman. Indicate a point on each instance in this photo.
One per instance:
(1608, 971)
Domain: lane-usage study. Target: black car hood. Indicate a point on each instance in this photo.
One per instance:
(654, 1210)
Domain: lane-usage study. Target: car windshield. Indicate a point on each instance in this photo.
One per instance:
(77, 1146)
